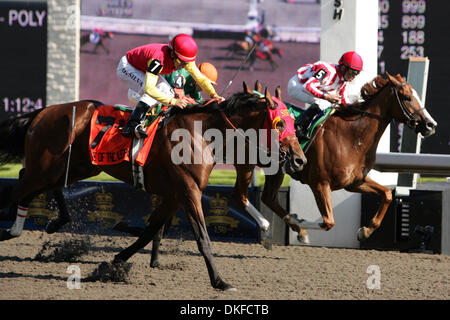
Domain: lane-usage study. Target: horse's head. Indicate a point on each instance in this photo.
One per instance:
(411, 110)
(292, 159)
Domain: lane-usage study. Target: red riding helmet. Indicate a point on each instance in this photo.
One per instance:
(352, 60)
(184, 47)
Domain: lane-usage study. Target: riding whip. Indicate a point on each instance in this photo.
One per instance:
(240, 67)
(74, 109)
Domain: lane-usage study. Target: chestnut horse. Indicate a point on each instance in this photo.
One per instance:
(43, 138)
(344, 151)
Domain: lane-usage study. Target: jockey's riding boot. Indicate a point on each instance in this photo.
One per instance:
(134, 123)
(302, 124)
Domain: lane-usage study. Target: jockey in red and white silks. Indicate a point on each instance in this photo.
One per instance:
(321, 84)
(313, 81)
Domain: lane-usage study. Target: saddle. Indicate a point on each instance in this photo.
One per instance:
(107, 145)
(318, 120)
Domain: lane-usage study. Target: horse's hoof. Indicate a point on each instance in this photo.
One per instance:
(363, 233)
(5, 235)
(230, 288)
(222, 285)
(266, 239)
(303, 238)
(55, 225)
(121, 226)
(154, 264)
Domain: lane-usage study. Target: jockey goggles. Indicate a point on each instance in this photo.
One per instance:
(179, 61)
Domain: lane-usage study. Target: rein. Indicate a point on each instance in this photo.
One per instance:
(367, 114)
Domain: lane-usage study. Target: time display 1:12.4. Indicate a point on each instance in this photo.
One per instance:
(21, 104)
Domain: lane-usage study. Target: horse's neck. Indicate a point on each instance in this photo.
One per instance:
(367, 129)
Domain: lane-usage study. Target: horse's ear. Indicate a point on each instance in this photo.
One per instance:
(258, 86)
(392, 79)
(278, 93)
(246, 88)
(269, 100)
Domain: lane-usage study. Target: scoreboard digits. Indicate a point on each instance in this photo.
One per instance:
(404, 31)
(23, 61)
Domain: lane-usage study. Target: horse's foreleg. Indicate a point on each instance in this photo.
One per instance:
(194, 211)
(322, 194)
(270, 199)
(370, 186)
(240, 195)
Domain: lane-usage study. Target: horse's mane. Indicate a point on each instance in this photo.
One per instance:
(237, 102)
(372, 88)
(368, 92)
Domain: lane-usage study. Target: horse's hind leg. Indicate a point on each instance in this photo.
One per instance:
(23, 192)
(22, 211)
(63, 214)
(370, 186)
(154, 261)
(158, 218)
(138, 231)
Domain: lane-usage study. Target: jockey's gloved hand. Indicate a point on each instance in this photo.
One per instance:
(333, 98)
(180, 102)
(218, 98)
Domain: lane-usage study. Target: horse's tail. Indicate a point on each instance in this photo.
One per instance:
(12, 136)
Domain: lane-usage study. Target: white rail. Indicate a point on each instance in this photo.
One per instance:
(413, 163)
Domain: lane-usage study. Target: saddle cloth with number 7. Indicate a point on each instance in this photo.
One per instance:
(107, 146)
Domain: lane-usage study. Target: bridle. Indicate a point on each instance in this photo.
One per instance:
(283, 154)
(411, 121)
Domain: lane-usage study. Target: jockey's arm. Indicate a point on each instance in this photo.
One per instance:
(312, 86)
(151, 79)
(201, 79)
(150, 89)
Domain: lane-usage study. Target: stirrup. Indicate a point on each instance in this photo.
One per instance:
(140, 132)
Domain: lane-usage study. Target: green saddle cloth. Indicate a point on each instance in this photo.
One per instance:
(150, 116)
(296, 112)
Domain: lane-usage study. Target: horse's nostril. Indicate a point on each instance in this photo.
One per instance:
(299, 162)
(430, 126)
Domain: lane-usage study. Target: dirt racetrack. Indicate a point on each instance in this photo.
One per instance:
(284, 273)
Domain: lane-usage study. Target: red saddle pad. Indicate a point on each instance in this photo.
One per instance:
(107, 145)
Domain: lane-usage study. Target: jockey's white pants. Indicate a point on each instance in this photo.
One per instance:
(135, 81)
(297, 91)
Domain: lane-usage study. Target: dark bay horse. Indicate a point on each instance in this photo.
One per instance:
(344, 151)
(240, 196)
(43, 138)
